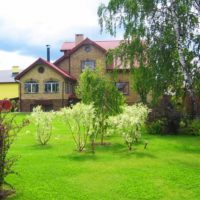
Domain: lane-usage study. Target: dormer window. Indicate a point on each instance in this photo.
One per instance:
(51, 86)
(31, 87)
(90, 64)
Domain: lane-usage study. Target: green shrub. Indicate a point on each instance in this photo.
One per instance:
(155, 127)
(194, 127)
(9, 128)
(165, 116)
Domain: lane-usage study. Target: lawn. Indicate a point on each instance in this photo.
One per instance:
(168, 169)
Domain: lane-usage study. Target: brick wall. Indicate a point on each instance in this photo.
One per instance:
(41, 78)
(99, 56)
(80, 55)
(56, 104)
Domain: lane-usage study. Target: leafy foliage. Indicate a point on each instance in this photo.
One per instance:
(193, 127)
(8, 131)
(141, 82)
(164, 116)
(155, 127)
(130, 122)
(96, 88)
(43, 122)
(163, 37)
(80, 120)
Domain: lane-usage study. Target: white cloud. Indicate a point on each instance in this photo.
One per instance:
(9, 59)
(35, 23)
(39, 22)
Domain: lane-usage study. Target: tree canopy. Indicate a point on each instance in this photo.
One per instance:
(96, 88)
(163, 36)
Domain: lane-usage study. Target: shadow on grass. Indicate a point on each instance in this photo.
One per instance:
(123, 152)
(144, 154)
(79, 156)
(111, 147)
(187, 164)
(188, 149)
(40, 147)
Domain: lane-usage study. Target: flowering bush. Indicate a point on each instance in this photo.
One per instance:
(129, 123)
(43, 122)
(95, 87)
(80, 120)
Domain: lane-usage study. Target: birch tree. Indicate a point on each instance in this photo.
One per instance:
(168, 31)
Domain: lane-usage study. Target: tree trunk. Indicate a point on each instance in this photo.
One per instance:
(102, 138)
(187, 76)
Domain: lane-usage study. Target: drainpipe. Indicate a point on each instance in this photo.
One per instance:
(20, 103)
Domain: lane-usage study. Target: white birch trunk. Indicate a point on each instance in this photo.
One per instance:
(187, 76)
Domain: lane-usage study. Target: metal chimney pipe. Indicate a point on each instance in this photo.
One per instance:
(48, 52)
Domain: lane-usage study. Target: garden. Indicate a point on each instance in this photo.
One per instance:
(100, 148)
(169, 167)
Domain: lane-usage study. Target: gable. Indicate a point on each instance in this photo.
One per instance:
(35, 74)
(81, 45)
(41, 62)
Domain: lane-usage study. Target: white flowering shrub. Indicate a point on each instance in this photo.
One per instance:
(43, 123)
(80, 120)
(129, 123)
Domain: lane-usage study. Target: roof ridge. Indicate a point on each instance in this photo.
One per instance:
(69, 42)
(107, 40)
(97, 40)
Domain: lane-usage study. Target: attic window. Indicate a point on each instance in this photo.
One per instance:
(87, 48)
(41, 69)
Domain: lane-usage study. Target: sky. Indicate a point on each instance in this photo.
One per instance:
(27, 26)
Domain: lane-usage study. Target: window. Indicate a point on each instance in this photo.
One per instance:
(41, 69)
(123, 87)
(87, 48)
(51, 87)
(87, 64)
(31, 87)
(69, 88)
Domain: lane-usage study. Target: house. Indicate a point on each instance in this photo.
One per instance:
(8, 85)
(52, 85)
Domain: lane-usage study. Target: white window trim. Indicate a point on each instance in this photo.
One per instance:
(51, 86)
(84, 65)
(31, 84)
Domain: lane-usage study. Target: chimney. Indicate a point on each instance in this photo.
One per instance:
(15, 70)
(48, 52)
(79, 38)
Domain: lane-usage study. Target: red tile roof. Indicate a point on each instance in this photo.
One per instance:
(52, 66)
(109, 44)
(75, 48)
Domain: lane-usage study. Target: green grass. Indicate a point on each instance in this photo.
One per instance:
(168, 169)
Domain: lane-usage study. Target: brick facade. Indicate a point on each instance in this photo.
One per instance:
(70, 62)
(50, 104)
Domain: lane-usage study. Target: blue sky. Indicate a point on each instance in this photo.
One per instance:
(28, 25)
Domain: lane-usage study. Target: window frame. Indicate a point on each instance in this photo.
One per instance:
(83, 65)
(126, 85)
(69, 87)
(31, 84)
(51, 84)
